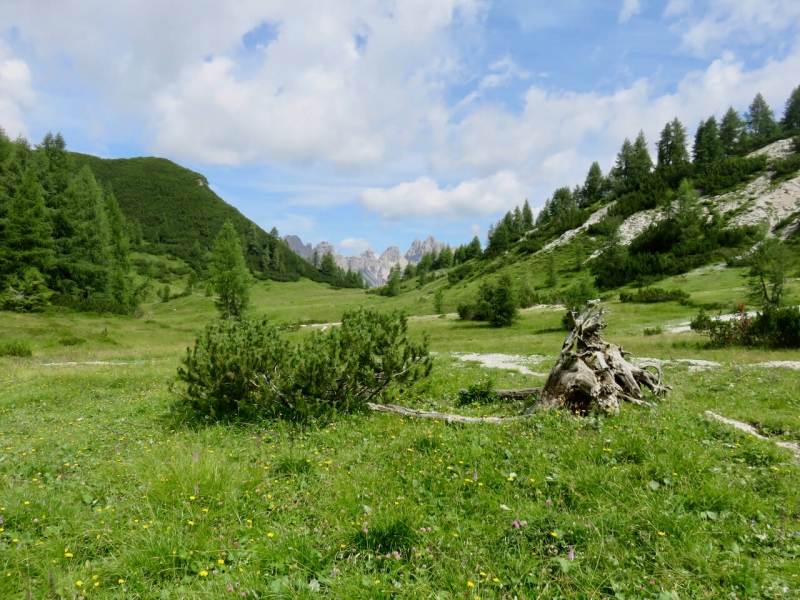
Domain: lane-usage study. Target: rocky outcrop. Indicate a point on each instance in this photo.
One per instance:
(374, 269)
(419, 249)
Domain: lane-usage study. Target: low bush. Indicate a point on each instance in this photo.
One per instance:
(494, 303)
(772, 327)
(654, 294)
(648, 331)
(785, 166)
(247, 369)
(15, 348)
(478, 393)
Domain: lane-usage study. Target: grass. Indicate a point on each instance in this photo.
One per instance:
(105, 493)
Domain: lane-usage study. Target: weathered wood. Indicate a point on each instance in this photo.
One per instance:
(446, 417)
(592, 373)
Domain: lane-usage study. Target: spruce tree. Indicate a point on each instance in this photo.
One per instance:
(731, 130)
(642, 163)
(230, 277)
(707, 145)
(527, 216)
(328, 264)
(791, 118)
(761, 119)
(672, 144)
(594, 186)
(393, 285)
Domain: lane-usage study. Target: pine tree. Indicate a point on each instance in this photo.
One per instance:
(27, 239)
(707, 145)
(527, 216)
(230, 277)
(393, 285)
(518, 226)
(731, 131)
(761, 119)
(633, 163)
(446, 257)
(328, 264)
(791, 118)
(594, 187)
(672, 145)
(473, 249)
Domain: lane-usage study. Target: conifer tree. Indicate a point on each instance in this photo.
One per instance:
(672, 145)
(633, 163)
(707, 145)
(527, 216)
(594, 187)
(393, 285)
(328, 264)
(731, 132)
(761, 119)
(230, 277)
(791, 118)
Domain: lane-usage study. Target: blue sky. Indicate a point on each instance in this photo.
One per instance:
(367, 123)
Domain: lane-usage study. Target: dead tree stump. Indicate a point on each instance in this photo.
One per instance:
(592, 373)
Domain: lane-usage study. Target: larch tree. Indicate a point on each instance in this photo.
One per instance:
(230, 277)
(791, 118)
(761, 119)
(731, 131)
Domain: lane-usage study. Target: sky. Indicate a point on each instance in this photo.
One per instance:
(368, 123)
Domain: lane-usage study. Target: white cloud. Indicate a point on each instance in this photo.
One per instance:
(752, 21)
(16, 92)
(559, 133)
(424, 198)
(629, 9)
(354, 245)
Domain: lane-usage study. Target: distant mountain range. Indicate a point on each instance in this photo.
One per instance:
(374, 269)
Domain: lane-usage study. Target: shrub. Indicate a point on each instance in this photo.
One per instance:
(648, 331)
(494, 303)
(247, 369)
(478, 393)
(654, 294)
(772, 327)
(15, 348)
(785, 166)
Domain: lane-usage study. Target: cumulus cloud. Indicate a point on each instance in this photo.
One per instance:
(558, 133)
(354, 245)
(424, 198)
(16, 92)
(752, 21)
(629, 9)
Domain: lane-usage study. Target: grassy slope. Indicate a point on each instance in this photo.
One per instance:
(99, 480)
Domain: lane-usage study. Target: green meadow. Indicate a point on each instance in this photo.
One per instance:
(105, 492)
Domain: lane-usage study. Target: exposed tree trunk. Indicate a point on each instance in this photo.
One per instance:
(590, 374)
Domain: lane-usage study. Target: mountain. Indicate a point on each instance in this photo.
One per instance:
(374, 269)
(174, 211)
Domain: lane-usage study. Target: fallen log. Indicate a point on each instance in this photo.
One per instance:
(519, 394)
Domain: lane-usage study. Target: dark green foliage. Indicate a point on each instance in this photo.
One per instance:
(527, 216)
(595, 187)
(633, 164)
(791, 116)
(732, 132)
(761, 123)
(723, 175)
(59, 232)
(393, 285)
(247, 369)
(230, 277)
(480, 393)
(672, 145)
(783, 167)
(575, 298)
(649, 331)
(462, 271)
(15, 348)
(654, 294)
(773, 327)
(175, 212)
(708, 148)
(438, 301)
(496, 304)
(607, 226)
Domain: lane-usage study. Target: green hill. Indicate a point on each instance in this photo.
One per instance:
(173, 210)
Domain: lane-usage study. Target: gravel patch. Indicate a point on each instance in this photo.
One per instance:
(747, 428)
(513, 362)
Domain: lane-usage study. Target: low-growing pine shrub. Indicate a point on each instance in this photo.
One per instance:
(655, 294)
(772, 327)
(478, 393)
(247, 369)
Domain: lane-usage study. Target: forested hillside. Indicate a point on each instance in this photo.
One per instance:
(174, 211)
